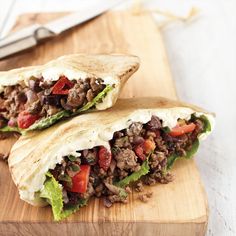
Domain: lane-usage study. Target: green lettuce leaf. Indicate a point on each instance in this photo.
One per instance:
(52, 192)
(96, 100)
(48, 121)
(10, 129)
(207, 124)
(122, 193)
(69, 210)
(190, 153)
(134, 176)
(204, 119)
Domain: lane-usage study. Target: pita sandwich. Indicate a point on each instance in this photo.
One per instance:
(36, 97)
(100, 154)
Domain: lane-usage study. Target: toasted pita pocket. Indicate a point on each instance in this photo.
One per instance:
(36, 153)
(38, 96)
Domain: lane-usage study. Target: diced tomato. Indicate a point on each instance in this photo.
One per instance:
(180, 130)
(145, 148)
(62, 86)
(140, 152)
(104, 158)
(80, 180)
(25, 119)
(149, 145)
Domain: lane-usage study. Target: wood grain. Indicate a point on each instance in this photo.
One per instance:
(7, 140)
(179, 208)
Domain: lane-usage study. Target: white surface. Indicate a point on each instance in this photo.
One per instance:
(202, 54)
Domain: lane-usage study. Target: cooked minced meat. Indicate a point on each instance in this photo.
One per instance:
(129, 149)
(46, 98)
(127, 160)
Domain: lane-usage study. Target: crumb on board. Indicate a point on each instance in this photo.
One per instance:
(139, 187)
(144, 197)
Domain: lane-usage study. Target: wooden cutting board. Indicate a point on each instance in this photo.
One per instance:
(178, 208)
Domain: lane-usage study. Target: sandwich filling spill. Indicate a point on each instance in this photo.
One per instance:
(42, 103)
(140, 154)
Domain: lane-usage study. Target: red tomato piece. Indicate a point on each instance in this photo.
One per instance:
(62, 86)
(80, 180)
(25, 119)
(145, 148)
(149, 146)
(180, 130)
(104, 158)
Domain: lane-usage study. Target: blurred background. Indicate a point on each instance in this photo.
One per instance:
(200, 38)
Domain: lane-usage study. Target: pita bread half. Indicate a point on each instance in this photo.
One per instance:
(37, 152)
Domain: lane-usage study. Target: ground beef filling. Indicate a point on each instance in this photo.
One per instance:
(39, 100)
(126, 158)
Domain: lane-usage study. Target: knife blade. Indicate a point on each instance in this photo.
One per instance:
(30, 36)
